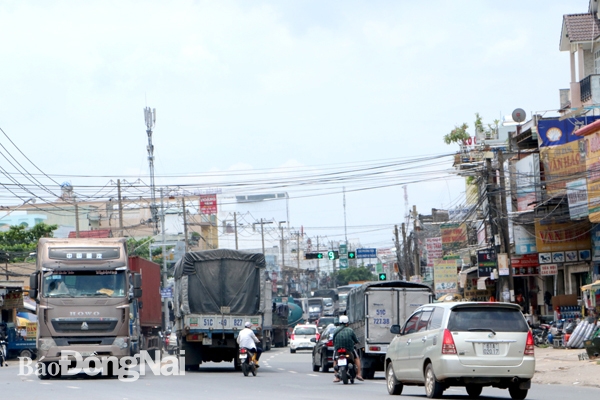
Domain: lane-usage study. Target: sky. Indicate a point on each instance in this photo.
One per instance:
(269, 96)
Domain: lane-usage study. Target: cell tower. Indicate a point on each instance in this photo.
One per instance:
(150, 117)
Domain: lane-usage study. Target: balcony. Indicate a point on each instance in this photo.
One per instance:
(589, 88)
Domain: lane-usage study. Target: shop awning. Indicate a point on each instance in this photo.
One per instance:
(591, 286)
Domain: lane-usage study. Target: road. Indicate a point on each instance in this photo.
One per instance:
(282, 376)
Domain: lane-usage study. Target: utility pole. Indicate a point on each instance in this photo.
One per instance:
(345, 226)
(164, 257)
(417, 264)
(406, 269)
(400, 267)
(318, 268)
(493, 219)
(76, 217)
(282, 244)
(503, 221)
(235, 229)
(120, 201)
(262, 232)
(185, 227)
(150, 118)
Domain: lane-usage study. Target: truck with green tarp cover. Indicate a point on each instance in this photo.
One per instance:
(216, 292)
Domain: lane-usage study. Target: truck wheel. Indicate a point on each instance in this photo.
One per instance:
(26, 353)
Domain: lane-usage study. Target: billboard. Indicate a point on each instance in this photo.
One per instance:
(208, 204)
(454, 237)
(578, 198)
(445, 276)
(562, 164)
(528, 182)
(562, 237)
(434, 249)
(553, 132)
(592, 162)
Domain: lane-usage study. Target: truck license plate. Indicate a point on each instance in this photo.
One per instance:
(491, 349)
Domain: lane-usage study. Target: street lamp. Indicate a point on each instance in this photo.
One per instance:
(30, 200)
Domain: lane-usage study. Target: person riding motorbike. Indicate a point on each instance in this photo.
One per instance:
(247, 339)
(345, 338)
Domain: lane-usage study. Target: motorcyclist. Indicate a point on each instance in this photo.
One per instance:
(247, 339)
(345, 338)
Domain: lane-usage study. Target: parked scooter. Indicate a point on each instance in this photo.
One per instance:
(248, 361)
(540, 335)
(345, 366)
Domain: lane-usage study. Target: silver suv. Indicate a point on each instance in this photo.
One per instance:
(469, 344)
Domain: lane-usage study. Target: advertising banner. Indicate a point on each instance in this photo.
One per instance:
(13, 300)
(592, 162)
(578, 198)
(445, 276)
(562, 164)
(434, 249)
(528, 182)
(525, 265)
(562, 237)
(524, 238)
(486, 262)
(548, 269)
(454, 237)
(208, 204)
(596, 243)
(554, 132)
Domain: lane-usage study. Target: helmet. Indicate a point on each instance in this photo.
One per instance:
(248, 324)
(344, 319)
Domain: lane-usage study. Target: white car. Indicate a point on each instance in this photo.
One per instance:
(300, 338)
(468, 344)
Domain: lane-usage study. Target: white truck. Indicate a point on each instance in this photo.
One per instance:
(373, 308)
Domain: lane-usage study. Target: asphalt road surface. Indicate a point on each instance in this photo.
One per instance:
(282, 376)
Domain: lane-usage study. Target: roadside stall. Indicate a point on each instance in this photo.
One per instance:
(18, 322)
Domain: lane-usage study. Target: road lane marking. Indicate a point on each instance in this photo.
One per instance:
(73, 387)
(281, 369)
(312, 375)
(293, 372)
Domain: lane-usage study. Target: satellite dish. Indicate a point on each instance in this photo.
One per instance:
(518, 115)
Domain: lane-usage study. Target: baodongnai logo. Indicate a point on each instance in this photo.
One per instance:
(74, 363)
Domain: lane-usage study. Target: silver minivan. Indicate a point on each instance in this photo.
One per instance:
(469, 344)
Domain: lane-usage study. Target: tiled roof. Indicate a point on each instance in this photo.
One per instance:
(96, 233)
(581, 27)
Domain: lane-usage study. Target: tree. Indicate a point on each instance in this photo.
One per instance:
(19, 241)
(141, 247)
(459, 134)
(354, 274)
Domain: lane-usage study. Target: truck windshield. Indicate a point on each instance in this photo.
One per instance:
(84, 284)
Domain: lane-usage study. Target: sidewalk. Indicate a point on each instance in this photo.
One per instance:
(563, 367)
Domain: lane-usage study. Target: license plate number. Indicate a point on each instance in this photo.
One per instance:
(243, 356)
(342, 361)
(491, 349)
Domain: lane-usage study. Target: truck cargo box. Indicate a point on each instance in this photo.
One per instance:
(206, 281)
(151, 308)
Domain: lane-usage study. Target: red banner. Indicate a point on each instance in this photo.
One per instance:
(208, 204)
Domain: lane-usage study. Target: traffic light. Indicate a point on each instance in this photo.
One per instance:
(351, 255)
(312, 256)
(333, 254)
(382, 277)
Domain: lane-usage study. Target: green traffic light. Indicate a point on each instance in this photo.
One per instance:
(331, 255)
(382, 277)
(319, 255)
(351, 254)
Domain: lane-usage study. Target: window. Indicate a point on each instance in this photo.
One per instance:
(597, 61)
(305, 331)
(411, 324)
(496, 318)
(424, 321)
(436, 318)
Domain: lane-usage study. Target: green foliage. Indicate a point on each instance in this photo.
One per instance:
(19, 241)
(141, 247)
(354, 274)
(457, 135)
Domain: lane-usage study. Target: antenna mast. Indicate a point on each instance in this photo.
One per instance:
(150, 117)
(406, 212)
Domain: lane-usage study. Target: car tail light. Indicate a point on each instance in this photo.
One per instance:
(529, 345)
(292, 336)
(448, 346)
(330, 343)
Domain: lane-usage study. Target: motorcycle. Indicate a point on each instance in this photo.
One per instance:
(345, 366)
(3, 353)
(540, 335)
(247, 361)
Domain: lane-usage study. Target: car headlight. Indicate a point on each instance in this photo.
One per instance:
(46, 344)
(121, 343)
